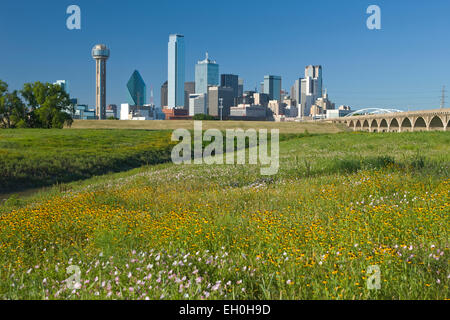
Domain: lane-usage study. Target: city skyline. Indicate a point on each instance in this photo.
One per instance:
(364, 68)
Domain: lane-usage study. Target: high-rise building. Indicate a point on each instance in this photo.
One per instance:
(197, 104)
(240, 87)
(261, 99)
(206, 74)
(277, 107)
(136, 90)
(307, 90)
(315, 73)
(101, 54)
(189, 88)
(272, 86)
(220, 97)
(164, 93)
(176, 72)
(63, 84)
(230, 81)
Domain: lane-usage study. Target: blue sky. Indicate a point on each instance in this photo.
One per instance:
(404, 65)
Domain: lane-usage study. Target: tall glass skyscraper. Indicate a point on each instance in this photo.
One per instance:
(230, 81)
(272, 87)
(136, 90)
(206, 74)
(175, 85)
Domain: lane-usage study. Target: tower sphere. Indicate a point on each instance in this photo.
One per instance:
(100, 51)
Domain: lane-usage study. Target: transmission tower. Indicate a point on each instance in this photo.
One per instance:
(443, 98)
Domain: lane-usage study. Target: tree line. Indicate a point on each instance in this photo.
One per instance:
(37, 105)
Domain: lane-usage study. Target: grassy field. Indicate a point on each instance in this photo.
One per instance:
(36, 158)
(340, 204)
(284, 127)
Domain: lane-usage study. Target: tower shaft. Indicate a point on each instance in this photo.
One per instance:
(100, 101)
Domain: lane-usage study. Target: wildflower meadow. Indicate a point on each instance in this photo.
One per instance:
(347, 216)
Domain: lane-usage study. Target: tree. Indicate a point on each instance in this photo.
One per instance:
(202, 116)
(49, 105)
(12, 109)
(3, 88)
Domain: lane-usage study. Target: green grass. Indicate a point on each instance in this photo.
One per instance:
(37, 158)
(339, 204)
(284, 127)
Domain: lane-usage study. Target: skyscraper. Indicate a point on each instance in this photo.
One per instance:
(175, 85)
(272, 87)
(136, 90)
(189, 88)
(315, 73)
(63, 84)
(164, 93)
(198, 104)
(100, 53)
(217, 97)
(230, 81)
(311, 88)
(206, 74)
(240, 87)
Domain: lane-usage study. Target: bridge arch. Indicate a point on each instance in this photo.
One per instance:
(420, 124)
(406, 125)
(351, 124)
(366, 126)
(358, 125)
(436, 123)
(383, 127)
(374, 126)
(394, 126)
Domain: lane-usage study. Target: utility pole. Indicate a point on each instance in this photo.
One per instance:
(443, 98)
(221, 108)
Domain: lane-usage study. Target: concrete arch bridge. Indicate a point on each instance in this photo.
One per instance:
(427, 120)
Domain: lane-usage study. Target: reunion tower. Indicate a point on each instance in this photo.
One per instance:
(100, 53)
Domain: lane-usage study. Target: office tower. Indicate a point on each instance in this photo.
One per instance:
(175, 85)
(206, 74)
(310, 89)
(230, 81)
(63, 84)
(296, 93)
(218, 96)
(101, 54)
(272, 87)
(197, 104)
(164, 92)
(324, 103)
(240, 87)
(189, 88)
(261, 87)
(315, 73)
(261, 99)
(136, 90)
(277, 107)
